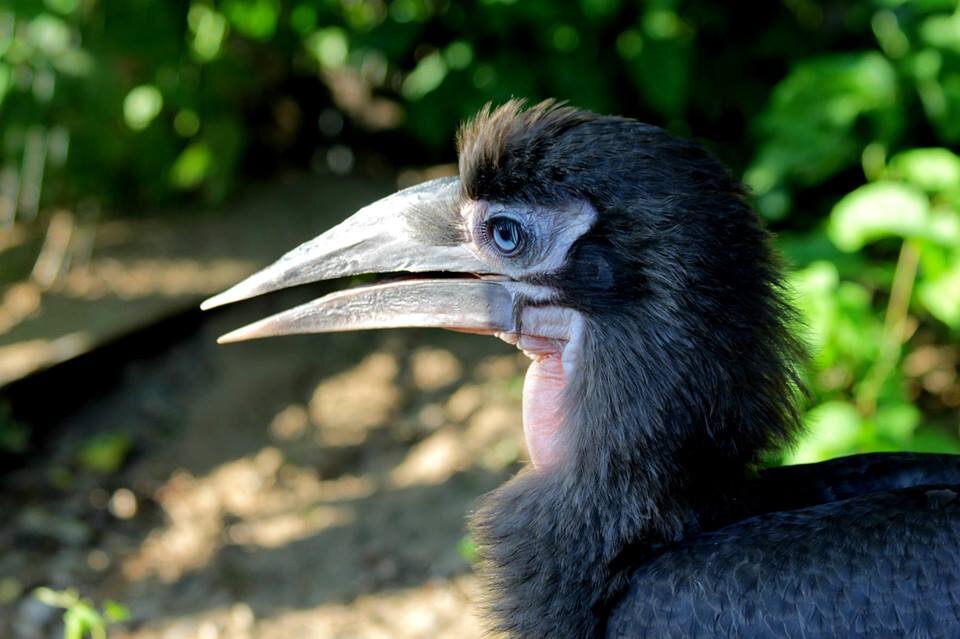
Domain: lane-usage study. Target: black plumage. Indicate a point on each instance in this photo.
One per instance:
(656, 524)
(881, 564)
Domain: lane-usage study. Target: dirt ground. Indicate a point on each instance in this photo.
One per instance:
(312, 486)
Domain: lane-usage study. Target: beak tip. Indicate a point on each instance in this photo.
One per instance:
(221, 299)
(250, 287)
(262, 328)
(231, 337)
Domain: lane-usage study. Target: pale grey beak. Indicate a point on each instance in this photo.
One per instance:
(416, 230)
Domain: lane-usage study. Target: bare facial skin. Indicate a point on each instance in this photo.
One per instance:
(550, 233)
(551, 337)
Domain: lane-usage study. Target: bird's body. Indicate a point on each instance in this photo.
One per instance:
(628, 265)
(865, 546)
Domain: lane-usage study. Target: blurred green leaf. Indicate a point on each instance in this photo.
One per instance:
(303, 18)
(256, 19)
(104, 453)
(932, 170)
(941, 296)
(62, 6)
(114, 611)
(209, 29)
(942, 31)
(878, 210)
(808, 121)
(80, 618)
(929, 440)
(630, 44)
(832, 428)
(944, 227)
(458, 55)
(141, 106)
(813, 289)
(467, 549)
(896, 422)
(425, 77)
(49, 34)
(192, 167)
(328, 46)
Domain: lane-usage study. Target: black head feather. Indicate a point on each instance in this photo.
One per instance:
(688, 372)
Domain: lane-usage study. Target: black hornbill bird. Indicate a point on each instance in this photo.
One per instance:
(630, 268)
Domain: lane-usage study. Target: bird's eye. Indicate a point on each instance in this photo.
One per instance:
(506, 233)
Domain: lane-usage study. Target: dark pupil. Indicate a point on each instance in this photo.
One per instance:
(506, 235)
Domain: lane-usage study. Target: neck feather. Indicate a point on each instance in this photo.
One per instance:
(648, 433)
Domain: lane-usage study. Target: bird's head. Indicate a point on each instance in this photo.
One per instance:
(625, 261)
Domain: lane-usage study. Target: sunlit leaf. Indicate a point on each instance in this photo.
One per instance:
(878, 210)
(662, 23)
(56, 599)
(458, 55)
(941, 296)
(256, 19)
(425, 77)
(812, 291)
(73, 626)
(105, 453)
(896, 422)
(832, 428)
(209, 28)
(944, 227)
(942, 31)
(467, 549)
(889, 34)
(933, 170)
(49, 34)
(329, 46)
(114, 611)
(62, 6)
(192, 166)
(141, 106)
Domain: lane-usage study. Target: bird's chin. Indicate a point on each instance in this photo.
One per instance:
(552, 337)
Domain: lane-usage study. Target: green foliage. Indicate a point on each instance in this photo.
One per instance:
(104, 453)
(467, 549)
(913, 201)
(81, 617)
(842, 117)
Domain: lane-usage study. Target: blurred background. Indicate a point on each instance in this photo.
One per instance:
(153, 152)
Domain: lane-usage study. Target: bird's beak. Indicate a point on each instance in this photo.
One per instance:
(416, 230)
